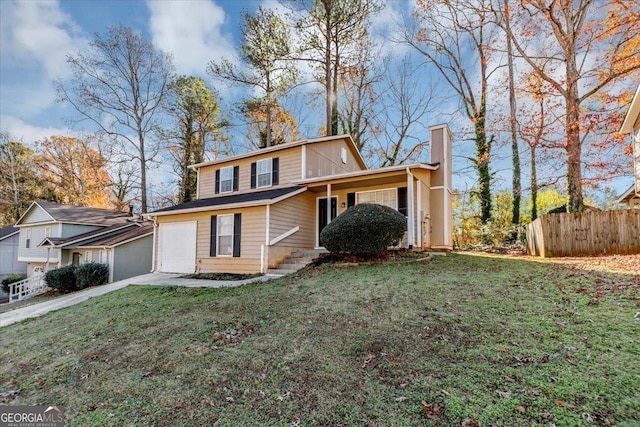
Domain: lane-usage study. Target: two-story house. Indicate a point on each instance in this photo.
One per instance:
(631, 125)
(254, 209)
(53, 235)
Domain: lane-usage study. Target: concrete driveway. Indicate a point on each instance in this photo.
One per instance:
(158, 279)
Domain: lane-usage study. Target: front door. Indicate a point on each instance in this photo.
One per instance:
(322, 213)
(75, 258)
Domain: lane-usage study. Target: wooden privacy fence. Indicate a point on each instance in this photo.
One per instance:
(587, 233)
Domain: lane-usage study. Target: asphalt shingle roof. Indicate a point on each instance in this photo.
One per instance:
(255, 196)
(8, 231)
(83, 214)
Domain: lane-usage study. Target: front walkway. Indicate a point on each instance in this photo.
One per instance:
(156, 279)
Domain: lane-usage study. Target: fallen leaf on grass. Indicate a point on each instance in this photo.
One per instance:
(565, 404)
(521, 409)
(401, 398)
(587, 418)
(431, 409)
(471, 422)
(503, 394)
(370, 361)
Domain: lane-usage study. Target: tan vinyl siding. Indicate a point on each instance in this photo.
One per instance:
(287, 214)
(289, 170)
(252, 238)
(324, 158)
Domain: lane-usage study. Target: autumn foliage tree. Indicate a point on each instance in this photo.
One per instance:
(76, 171)
(277, 122)
(20, 181)
(591, 45)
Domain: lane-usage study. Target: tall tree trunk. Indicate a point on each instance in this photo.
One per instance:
(483, 150)
(143, 173)
(573, 143)
(328, 77)
(515, 154)
(534, 185)
(268, 96)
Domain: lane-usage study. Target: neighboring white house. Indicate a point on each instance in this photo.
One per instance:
(53, 235)
(9, 264)
(631, 125)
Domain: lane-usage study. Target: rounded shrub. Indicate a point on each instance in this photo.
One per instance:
(364, 229)
(91, 274)
(62, 279)
(12, 278)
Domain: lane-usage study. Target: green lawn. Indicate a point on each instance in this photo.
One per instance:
(460, 339)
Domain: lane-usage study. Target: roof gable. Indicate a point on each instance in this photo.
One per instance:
(347, 138)
(632, 114)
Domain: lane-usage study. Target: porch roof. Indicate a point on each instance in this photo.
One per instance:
(246, 199)
(368, 174)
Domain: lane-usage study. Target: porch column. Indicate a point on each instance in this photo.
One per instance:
(410, 211)
(328, 203)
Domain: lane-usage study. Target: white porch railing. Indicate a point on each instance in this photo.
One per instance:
(27, 288)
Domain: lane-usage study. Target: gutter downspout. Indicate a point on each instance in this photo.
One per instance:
(410, 211)
(153, 251)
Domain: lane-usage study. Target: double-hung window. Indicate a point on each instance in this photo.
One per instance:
(226, 179)
(264, 173)
(380, 197)
(27, 243)
(225, 235)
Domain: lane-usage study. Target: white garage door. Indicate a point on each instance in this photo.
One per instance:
(177, 247)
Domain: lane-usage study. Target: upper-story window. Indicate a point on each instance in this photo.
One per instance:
(28, 240)
(47, 231)
(264, 173)
(265, 168)
(226, 179)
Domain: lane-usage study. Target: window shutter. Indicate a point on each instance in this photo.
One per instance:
(236, 177)
(351, 200)
(402, 200)
(214, 235)
(253, 175)
(275, 173)
(237, 220)
(217, 181)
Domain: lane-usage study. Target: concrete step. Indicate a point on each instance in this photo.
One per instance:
(292, 266)
(308, 253)
(280, 271)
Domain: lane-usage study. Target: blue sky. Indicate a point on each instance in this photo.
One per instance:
(36, 36)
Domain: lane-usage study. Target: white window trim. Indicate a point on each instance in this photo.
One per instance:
(88, 257)
(228, 168)
(376, 191)
(218, 235)
(27, 240)
(269, 161)
(47, 231)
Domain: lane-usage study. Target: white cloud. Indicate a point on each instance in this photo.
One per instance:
(191, 31)
(41, 33)
(35, 38)
(29, 133)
